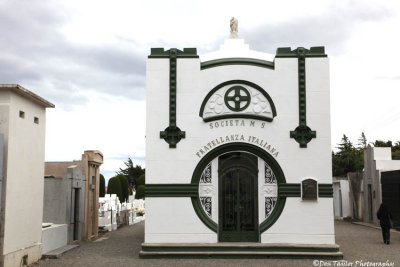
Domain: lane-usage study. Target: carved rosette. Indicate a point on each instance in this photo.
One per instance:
(270, 190)
(206, 203)
(206, 190)
(206, 176)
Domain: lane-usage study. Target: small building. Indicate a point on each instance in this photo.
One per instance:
(71, 194)
(377, 160)
(22, 153)
(238, 149)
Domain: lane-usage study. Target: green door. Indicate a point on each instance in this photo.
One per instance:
(238, 204)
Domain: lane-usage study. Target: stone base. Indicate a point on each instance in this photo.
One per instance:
(18, 258)
(240, 250)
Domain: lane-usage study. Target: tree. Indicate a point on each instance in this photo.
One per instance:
(114, 187)
(130, 190)
(124, 187)
(380, 143)
(396, 150)
(396, 146)
(396, 155)
(131, 172)
(142, 180)
(362, 141)
(345, 156)
(346, 146)
(359, 152)
(140, 192)
(102, 191)
(348, 158)
(336, 165)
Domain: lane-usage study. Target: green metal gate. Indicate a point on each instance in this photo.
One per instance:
(238, 201)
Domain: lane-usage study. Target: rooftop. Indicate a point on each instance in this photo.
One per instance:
(16, 88)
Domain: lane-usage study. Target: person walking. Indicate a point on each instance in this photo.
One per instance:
(385, 220)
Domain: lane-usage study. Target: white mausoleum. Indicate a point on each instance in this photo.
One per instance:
(22, 143)
(238, 151)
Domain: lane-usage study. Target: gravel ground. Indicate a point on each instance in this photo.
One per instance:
(360, 245)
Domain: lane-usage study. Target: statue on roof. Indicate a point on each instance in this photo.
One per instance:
(234, 28)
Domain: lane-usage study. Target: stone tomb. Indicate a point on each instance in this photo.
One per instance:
(230, 138)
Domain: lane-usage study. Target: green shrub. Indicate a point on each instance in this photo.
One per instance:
(124, 186)
(142, 180)
(102, 191)
(114, 187)
(140, 192)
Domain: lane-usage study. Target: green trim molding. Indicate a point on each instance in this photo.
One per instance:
(237, 61)
(316, 51)
(161, 53)
(302, 134)
(325, 190)
(237, 115)
(171, 190)
(289, 190)
(172, 134)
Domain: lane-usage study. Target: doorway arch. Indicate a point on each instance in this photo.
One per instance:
(239, 147)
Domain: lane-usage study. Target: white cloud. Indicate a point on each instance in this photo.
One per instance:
(112, 124)
(88, 57)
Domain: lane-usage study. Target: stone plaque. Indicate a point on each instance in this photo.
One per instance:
(309, 189)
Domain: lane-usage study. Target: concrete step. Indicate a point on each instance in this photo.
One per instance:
(242, 254)
(238, 246)
(240, 250)
(55, 254)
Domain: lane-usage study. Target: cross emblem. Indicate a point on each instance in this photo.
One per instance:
(172, 135)
(237, 98)
(303, 134)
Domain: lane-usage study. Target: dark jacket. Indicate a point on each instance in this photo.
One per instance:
(384, 216)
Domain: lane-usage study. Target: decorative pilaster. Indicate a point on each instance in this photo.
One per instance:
(302, 134)
(172, 134)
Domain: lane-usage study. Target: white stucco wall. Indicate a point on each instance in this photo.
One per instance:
(168, 216)
(382, 153)
(24, 172)
(173, 220)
